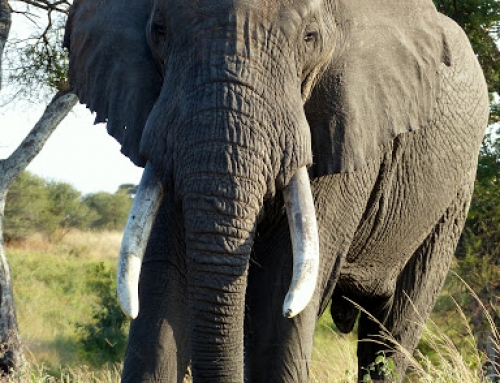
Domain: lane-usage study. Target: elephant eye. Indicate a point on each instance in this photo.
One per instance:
(158, 28)
(311, 36)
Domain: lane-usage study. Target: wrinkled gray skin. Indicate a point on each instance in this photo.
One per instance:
(385, 103)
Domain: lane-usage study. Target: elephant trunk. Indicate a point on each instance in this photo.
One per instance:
(220, 219)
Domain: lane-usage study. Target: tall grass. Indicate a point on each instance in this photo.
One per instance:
(96, 246)
(451, 360)
(52, 294)
(334, 354)
(39, 374)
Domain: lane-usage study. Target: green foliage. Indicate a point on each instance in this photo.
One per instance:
(37, 62)
(385, 367)
(54, 208)
(67, 208)
(481, 21)
(130, 189)
(103, 340)
(27, 207)
(36, 206)
(111, 209)
(43, 63)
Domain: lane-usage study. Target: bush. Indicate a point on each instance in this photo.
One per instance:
(51, 208)
(25, 207)
(103, 340)
(111, 209)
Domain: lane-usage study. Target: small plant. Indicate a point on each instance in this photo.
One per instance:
(384, 366)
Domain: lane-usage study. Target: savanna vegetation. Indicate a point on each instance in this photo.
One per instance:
(53, 209)
(62, 245)
(73, 330)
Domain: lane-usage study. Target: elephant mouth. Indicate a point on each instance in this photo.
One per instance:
(303, 232)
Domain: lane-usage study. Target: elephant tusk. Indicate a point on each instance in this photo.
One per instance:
(135, 238)
(301, 214)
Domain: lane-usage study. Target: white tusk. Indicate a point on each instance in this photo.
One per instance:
(301, 214)
(135, 238)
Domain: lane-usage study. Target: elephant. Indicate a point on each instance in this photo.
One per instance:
(298, 155)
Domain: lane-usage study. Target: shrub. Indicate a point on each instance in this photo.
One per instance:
(37, 206)
(111, 209)
(103, 340)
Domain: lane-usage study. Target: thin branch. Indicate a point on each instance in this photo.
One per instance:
(48, 6)
(55, 112)
(47, 29)
(30, 16)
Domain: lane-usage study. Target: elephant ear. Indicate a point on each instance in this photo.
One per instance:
(111, 67)
(382, 81)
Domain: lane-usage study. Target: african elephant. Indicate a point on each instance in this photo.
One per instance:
(297, 151)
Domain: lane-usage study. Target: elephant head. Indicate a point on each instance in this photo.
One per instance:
(228, 102)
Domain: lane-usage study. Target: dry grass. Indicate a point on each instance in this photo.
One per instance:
(450, 361)
(96, 246)
(39, 374)
(334, 355)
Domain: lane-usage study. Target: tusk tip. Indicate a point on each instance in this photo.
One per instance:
(291, 308)
(130, 310)
(128, 272)
(288, 313)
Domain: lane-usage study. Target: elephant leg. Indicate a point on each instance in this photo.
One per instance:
(277, 349)
(158, 345)
(417, 289)
(369, 335)
(281, 353)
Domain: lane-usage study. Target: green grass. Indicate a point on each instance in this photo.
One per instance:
(53, 293)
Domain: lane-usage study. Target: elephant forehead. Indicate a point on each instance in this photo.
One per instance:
(268, 9)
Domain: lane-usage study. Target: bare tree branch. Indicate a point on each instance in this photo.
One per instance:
(55, 112)
(58, 6)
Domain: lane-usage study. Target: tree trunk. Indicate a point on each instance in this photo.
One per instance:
(11, 353)
(5, 22)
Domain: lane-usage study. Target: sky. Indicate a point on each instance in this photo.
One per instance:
(78, 152)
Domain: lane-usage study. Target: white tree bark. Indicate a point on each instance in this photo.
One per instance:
(11, 353)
